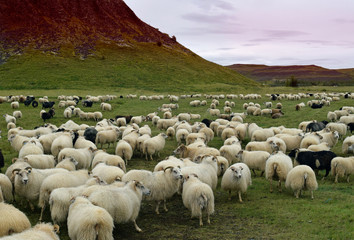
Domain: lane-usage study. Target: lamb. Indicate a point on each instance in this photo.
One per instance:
(59, 199)
(64, 179)
(12, 220)
(342, 167)
(197, 196)
(236, 178)
(68, 164)
(86, 221)
(65, 140)
(154, 145)
(9, 119)
(324, 146)
(300, 178)
(162, 184)
(109, 159)
(27, 181)
(278, 167)
(17, 114)
(40, 161)
(129, 197)
(107, 173)
(124, 150)
(83, 156)
(255, 160)
(348, 145)
(107, 137)
(42, 231)
(6, 188)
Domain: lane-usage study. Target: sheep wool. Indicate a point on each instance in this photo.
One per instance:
(301, 178)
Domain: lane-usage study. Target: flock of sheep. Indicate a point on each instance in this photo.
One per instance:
(53, 162)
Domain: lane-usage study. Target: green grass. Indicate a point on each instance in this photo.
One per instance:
(263, 215)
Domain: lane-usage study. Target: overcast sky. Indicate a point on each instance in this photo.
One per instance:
(272, 32)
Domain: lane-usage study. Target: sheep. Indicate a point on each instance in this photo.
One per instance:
(236, 178)
(184, 117)
(107, 173)
(83, 156)
(340, 113)
(138, 119)
(17, 114)
(348, 145)
(223, 164)
(42, 231)
(109, 159)
(65, 140)
(291, 141)
(81, 142)
(262, 134)
(214, 112)
(15, 105)
(162, 184)
(107, 136)
(278, 167)
(342, 167)
(331, 116)
(268, 146)
(324, 146)
(6, 188)
(68, 164)
(145, 130)
(64, 179)
(347, 119)
(40, 161)
(197, 197)
(124, 150)
(170, 132)
(59, 199)
(154, 145)
(330, 137)
(33, 146)
(9, 118)
(300, 178)
(27, 181)
(255, 160)
(311, 139)
(230, 151)
(129, 197)
(86, 221)
(12, 220)
(131, 138)
(106, 107)
(341, 128)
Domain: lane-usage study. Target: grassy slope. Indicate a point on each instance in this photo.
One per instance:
(145, 66)
(262, 215)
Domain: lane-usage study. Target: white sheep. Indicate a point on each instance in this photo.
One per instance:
(15, 105)
(132, 138)
(64, 140)
(255, 160)
(83, 156)
(230, 151)
(291, 141)
(87, 221)
(300, 178)
(154, 145)
(330, 137)
(310, 139)
(81, 142)
(236, 178)
(267, 146)
(40, 161)
(106, 107)
(277, 167)
(9, 118)
(138, 119)
(10, 125)
(47, 140)
(129, 197)
(332, 116)
(324, 146)
(107, 137)
(262, 134)
(17, 141)
(162, 184)
(304, 124)
(170, 132)
(17, 114)
(58, 180)
(68, 164)
(348, 145)
(12, 220)
(198, 197)
(6, 188)
(223, 164)
(107, 173)
(42, 231)
(59, 199)
(33, 146)
(341, 128)
(124, 150)
(145, 130)
(347, 119)
(342, 167)
(109, 159)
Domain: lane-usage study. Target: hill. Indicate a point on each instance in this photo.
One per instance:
(305, 74)
(81, 44)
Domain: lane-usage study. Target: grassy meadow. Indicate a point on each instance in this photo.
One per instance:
(262, 215)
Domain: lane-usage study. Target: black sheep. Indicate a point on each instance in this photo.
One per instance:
(314, 105)
(2, 161)
(90, 134)
(87, 103)
(127, 118)
(316, 160)
(316, 126)
(351, 127)
(48, 104)
(207, 122)
(48, 115)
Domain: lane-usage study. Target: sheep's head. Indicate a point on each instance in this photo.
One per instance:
(175, 171)
(141, 187)
(22, 174)
(239, 154)
(335, 134)
(180, 149)
(237, 171)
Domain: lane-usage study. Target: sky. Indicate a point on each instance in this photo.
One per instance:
(271, 32)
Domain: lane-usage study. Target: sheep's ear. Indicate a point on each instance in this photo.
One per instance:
(56, 228)
(241, 168)
(24, 143)
(25, 159)
(14, 160)
(72, 200)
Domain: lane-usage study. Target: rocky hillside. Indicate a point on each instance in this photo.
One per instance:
(303, 73)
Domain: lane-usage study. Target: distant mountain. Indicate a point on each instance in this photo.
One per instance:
(97, 43)
(303, 73)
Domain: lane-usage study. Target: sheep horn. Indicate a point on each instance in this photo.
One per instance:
(16, 170)
(28, 168)
(195, 175)
(167, 168)
(56, 228)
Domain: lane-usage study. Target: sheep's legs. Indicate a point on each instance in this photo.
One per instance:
(239, 196)
(279, 186)
(208, 218)
(255, 174)
(138, 229)
(200, 219)
(262, 173)
(311, 194)
(42, 211)
(164, 205)
(31, 205)
(230, 195)
(271, 185)
(336, 179)
(297, 193)
(157, 207)
(348, 178)
(151, 158)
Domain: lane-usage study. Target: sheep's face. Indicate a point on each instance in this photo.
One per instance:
(237, 172)
(22, 175)
(176, 173)
(144, 190)
(335, 135)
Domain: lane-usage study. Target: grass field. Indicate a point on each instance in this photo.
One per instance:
(263, 215)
